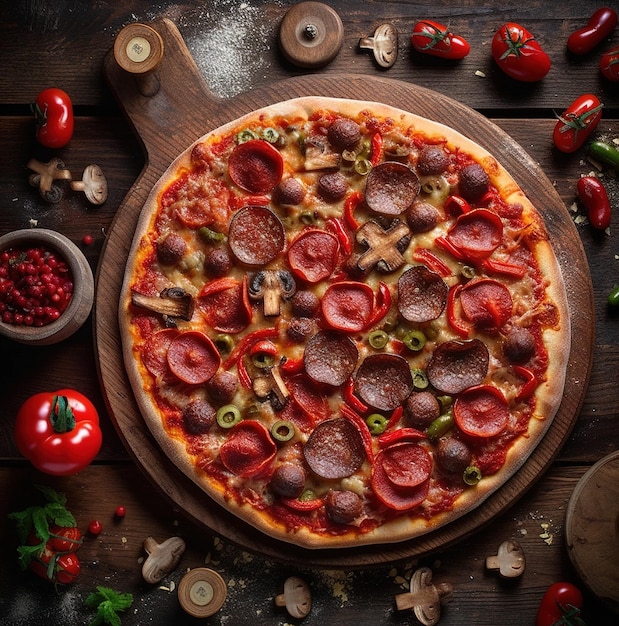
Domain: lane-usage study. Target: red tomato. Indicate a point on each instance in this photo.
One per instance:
(64, 538)
(95, 527)
(54, 118)
(577, 122)
(433, 38)
(56, 568)
(609, 64)
(561, 604)
(594, 197)
(59, 432)
(518, 54)
(600, 25)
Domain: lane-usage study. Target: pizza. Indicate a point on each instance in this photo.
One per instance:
(344, 322)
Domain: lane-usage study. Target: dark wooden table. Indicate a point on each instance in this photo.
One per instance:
(235, 46)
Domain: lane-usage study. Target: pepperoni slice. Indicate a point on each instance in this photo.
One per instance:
(487, 303)
(392, 496)
(384, 381)
(313, 255)
(458, 365)
(155, 351)
(193, 357)
(422, 294)
(348, 306)
(391, 188)
(256, 166)
(225, 305)
(481, 411)
(248, 449)
(310, 398)
(256, 235)
(330, 358)
(334, 450)
(477, 234)
(406, 464)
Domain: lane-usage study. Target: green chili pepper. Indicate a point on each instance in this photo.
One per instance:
(613, 297)
(270, 135)
(246, 135)
(228, 415)
(472, 475)
(307, 217)
(376, 423)
(362, 166)
(606, 153)
(414, 340)
(282, 430)
(308, 494)
(210, 236)
(440, 426)
(467, 271)
(378, 339)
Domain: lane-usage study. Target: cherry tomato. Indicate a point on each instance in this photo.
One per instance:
(430, 37)
(120, 511)
(561, 604)
(58, 431)
(518, 54)
(56, 568)
(600, 25)
(595, 199)
(609, 64)
(53, 112)
(577, 122)
(64, 538)
(95, 527)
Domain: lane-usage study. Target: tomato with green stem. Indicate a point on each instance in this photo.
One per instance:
(57, 568)
(609, 64)
(517, 52)
(58, 431)
(561, 604)
(430, 37)
(600, 25)
(577, 122)
(53, 112)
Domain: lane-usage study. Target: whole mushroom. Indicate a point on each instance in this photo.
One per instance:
(93, 184)
(297, 597)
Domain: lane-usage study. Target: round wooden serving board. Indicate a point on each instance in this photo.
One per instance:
(183, 110)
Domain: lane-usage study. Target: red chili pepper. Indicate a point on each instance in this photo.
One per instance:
(238, 202)
(246, 343)
(303, 506)
(594, 197)
(530, 382)
(376, 153)
(263, 347)
(402, 434)
(340, 232)
(216, 286)
(452, 317)
(351, 398)
(395, 417)
(493, 266)
(364, 431)
(457, 205)
(445, 244)
(244, 376)
(350, 205)
(431, 261)
(291, 366)
(383, 304)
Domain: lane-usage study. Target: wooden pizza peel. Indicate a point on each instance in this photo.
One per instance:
(169, 105)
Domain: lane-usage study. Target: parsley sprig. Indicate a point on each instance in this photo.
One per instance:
(108, 604)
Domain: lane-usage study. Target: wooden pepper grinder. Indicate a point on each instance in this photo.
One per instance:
(138, 49)
(202, 592)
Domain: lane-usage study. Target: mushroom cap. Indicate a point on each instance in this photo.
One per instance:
(509, 560)
(93, 184)
(297, 597)
(162, 558)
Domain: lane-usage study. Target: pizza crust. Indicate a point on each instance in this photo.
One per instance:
(404, 527)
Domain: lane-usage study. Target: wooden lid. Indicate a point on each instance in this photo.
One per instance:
(592, 529)
(311, 34)
(138, 48)
(202, 592)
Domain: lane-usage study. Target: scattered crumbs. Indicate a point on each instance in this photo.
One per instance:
(480, 74)
(545, 534)
(141, 560)
(14, 199)
(123, 539)
(573, 207)
(616, 257)
(33, 223)
(339, 582)
(616, 141)
(175, 523)
(402, 578)
(169, 588)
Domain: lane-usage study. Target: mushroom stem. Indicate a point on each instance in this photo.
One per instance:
(162, 558)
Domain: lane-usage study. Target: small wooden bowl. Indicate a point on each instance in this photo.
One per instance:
(81, 301)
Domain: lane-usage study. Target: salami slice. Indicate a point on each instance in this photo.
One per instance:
(458, 365)
(406, 464)
(477, 234)
(193, 357)
(256, 166)
(155, 351)
(313, 255)
(330, 357)
(308, 397)
(348, 306)
(225, 306)
(392, 496)
(334, 450)
(422, 294)
(481, 411)
(248, 449)
(384, 381)
(391, 188)
(487, 303)
(256, 235)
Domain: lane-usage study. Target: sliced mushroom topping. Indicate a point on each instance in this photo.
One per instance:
(383, 245)
(384, 44)
(509, 561)
(296, 598)
(171, 302)
(93, 184)
(319, 155)
(271, 286)
(272, 387)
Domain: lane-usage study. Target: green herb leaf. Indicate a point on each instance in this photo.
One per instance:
(108, 604)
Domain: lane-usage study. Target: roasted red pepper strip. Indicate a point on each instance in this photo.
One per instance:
(246, 343)
(244, 377)
(340, 232)
(303, 506)
(291, 366)
(530, 382)
(445, 244)
(376, 154)
(454, 321)
(395, 417)
(350, 205)
(238, 202)
(351, 398)
(492, 266)
(383, 304)
(263, 347)
(432, 262)
(364, 431)
(402, 434)
(457, 205)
